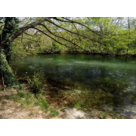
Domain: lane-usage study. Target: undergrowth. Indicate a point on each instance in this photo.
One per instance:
(36, 83)
(27, 99)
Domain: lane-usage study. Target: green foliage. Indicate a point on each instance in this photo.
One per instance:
(57, 47)
(115, 37)
(43, 103)
(53, 112)
(36, 82)
(9, 77)
(103, 115)
(80, 105)
(10, 27)
(21, 95)
(28, 99)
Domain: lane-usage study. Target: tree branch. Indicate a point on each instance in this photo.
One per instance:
(73, 32)
(62, 37)
(71, 21)
(22, 30)
(52, 38)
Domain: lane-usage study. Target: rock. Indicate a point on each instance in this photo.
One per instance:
(90, 116)
(73, 113)
(77, 91)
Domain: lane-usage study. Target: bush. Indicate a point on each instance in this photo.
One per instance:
(36, 83)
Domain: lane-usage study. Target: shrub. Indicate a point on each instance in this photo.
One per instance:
(36, 83)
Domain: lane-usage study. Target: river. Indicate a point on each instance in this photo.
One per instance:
(110, 82)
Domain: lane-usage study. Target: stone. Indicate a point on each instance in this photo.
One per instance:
(74, 113)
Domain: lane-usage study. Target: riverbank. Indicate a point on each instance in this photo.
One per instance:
(22, 104)
(88, 53)
(105, 84)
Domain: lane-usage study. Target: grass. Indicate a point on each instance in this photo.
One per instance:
(28, 100)
(93, 112)
(53, 112)
(80, 106)
(103, 115)
(3, 102)
(21, 106)
(43, 104)
(31, 114)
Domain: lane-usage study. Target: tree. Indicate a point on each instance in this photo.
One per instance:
(49, 26)
(91, 35)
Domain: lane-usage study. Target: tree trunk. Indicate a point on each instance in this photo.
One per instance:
(7, 73)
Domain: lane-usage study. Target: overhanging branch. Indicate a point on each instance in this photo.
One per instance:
(53, 38)
(62, 37)
(73, 32)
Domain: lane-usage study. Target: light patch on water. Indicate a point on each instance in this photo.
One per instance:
(106, 64)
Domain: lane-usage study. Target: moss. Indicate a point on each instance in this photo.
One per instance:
(9, 78)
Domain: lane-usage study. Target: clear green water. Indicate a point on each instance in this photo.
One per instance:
(112, 79)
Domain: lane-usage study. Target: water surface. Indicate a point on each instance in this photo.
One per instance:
(109, 81)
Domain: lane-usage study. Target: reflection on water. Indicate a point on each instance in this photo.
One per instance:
(112, 81)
